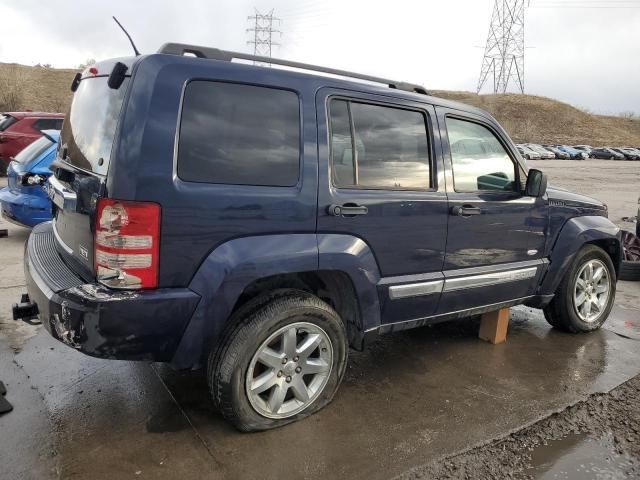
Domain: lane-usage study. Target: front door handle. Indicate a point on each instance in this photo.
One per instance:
(465, 210)
(347, 210)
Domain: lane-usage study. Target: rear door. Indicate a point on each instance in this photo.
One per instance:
(378, 181)
(496, 233)
(81, 168)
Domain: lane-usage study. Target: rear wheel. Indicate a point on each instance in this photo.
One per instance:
(282, 360)
(585, 296)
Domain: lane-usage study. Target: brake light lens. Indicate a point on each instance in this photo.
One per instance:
(127, 244)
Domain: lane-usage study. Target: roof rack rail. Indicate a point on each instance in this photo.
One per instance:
(224, 55)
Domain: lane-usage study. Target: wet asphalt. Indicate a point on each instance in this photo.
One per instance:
(409, 399)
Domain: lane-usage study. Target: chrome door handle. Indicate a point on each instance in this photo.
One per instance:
(347, 210)
(465, 210)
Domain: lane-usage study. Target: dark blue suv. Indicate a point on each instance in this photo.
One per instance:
(261, 221)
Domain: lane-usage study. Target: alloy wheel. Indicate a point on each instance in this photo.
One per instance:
(289, 370)
(591, 291)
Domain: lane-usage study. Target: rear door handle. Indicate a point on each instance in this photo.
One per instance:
(465, 210)
(347, 210)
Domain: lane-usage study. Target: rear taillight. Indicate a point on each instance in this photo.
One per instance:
(127, 243)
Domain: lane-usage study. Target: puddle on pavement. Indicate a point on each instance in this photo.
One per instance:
(578, 457)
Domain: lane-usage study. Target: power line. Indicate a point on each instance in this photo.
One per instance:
(504, 51)
(263, 33)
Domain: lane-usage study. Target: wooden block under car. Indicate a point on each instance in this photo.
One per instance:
(4, 232)
(494, 325)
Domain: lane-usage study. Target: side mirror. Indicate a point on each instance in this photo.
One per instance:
(536, 184)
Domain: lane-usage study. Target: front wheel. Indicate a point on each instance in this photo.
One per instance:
(282, 359)
(586, 294)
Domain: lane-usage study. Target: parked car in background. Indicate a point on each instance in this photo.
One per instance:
(574, 153)
(24, 201)
(560, 155)
(237, 241)
(19, 129)
(629, 153)
(606, 153)
(540, 150)
(584, 148)
(528, 153)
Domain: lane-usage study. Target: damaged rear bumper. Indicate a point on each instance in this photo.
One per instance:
(125, 325)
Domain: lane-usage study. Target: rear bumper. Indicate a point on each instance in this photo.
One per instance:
(24, 209)
(105, 323)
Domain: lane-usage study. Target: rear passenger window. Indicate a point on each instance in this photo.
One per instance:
(239, 134)
(479, 160)
(378, 147)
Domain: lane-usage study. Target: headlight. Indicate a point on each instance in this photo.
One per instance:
(32, 179)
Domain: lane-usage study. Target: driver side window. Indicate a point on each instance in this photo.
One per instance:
(480, 162)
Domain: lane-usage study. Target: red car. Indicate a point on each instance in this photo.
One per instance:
(19, 129)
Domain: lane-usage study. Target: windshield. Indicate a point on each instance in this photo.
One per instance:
(93, 118)
(34, 150)
(6, 121)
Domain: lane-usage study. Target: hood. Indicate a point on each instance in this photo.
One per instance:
(564, 198)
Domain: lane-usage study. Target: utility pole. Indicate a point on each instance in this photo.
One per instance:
(263, 31)
(504, 52)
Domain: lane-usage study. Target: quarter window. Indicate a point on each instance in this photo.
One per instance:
(378, 147)
(239, 134)
(480, 162)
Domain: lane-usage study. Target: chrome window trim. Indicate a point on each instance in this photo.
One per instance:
(415, 289)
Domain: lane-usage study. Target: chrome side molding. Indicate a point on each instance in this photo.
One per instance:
(415, 289)
(473, 280)
(487, 279)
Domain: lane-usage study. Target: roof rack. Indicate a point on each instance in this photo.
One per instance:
(226, 56)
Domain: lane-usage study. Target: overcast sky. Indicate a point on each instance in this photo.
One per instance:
(585, 52)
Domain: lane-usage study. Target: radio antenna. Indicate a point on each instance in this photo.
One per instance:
(128, 36)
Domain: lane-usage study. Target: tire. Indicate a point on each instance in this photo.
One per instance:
(630, 271)
(3, 168)
(562, 314)
(232, 367)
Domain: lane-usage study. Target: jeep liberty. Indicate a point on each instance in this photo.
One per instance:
(259, 222)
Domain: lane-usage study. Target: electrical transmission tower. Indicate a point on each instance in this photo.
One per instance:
(504, 52)
(263, 31)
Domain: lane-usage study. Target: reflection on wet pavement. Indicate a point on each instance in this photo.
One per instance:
(578, 457)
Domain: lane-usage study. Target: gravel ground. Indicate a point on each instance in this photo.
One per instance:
(605, 428)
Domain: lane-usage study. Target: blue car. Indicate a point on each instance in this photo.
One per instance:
(574, 152)
(24, 201)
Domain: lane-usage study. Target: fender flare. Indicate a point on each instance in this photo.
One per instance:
(235, 264)
(575, 233)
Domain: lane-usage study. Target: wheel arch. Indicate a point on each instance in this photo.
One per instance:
(340, 269)
(577, 232)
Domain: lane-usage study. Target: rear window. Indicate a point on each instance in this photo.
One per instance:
(91, 124)
(47, 124)
(6, 121)
(239, 134)
(34, 150)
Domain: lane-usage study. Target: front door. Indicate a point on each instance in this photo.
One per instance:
(496, 233)
(378, 182)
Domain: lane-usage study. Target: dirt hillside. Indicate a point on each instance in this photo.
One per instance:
(527, 118)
